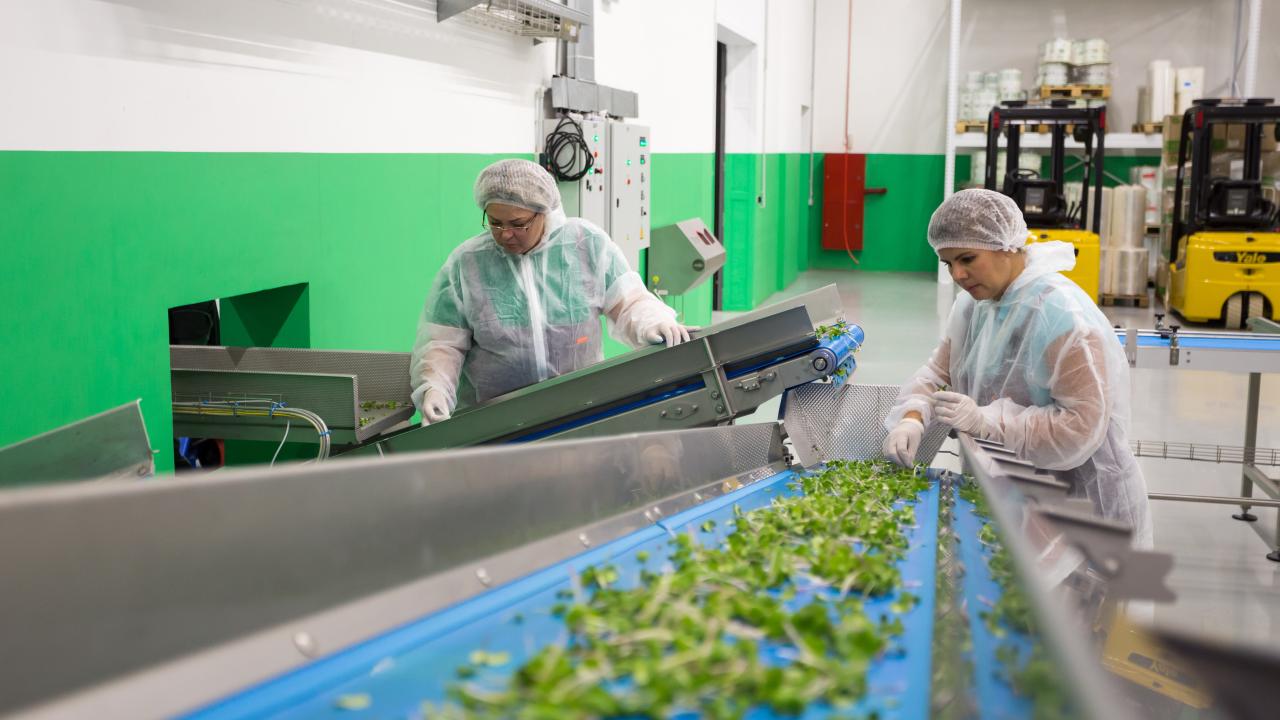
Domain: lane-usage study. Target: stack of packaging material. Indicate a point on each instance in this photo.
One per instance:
(1148, 176)
(984, 90)
(1161, 90)
(1079, 62)
(1169, 91)
(1189, 83)
(1027, 160)
(1124, 249)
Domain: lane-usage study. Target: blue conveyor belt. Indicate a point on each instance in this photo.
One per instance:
(1262, 343)
(995, 698)
(401, 669)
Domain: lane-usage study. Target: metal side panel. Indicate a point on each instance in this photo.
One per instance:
(109, 445)
(380, 376)
(332, 397)
(158, 580)
(846, 422)
(626, 379)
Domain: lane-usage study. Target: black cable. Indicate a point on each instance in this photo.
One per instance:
(561, 151)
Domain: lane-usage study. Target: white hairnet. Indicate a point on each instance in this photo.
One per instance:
(517, 182)
(1049, 376)
(978, 219)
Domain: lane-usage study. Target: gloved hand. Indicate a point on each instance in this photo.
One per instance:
(960, 412)
(435, 407)
(669, 332)
(903, 441)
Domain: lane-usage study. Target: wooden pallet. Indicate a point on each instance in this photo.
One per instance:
(1139, 301)
(1151, 128)
(981, 127)
(1074, 91)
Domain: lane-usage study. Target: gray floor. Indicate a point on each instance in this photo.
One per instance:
(1224, 582)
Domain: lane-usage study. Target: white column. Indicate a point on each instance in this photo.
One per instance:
(1251, 52)
(953, 97)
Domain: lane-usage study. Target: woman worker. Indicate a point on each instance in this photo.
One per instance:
(1028, 360)
(521, 302)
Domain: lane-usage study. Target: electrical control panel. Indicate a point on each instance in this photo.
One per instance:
(586, 198)
(630, 182)
(615, 193)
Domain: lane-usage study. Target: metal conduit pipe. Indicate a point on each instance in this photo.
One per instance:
(240, 409)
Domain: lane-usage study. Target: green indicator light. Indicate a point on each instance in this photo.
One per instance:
(595, 138)
(641, 159)
(628, 162)
(644, 142)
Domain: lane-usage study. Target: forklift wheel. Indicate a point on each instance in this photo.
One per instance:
(1257, 306)
(1233, 315)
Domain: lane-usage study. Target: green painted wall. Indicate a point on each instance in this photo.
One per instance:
(98, 245)
(766, 247)
(895, 224)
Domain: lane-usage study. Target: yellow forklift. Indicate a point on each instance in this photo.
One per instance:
(1043, 199)
(1224, 258)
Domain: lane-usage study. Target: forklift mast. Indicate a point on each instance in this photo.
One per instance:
(1043, 200)
(1221, 202)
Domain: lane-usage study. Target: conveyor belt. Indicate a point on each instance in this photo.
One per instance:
(401, 669)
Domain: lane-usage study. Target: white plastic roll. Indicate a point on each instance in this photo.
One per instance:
(1106, 271)
(1056, 50)
(1096, 50)
(1190, 87)
(1144, 104)
(1099, 74)
(973, 80)
(991, 81)
(1104, 224)
(1161, 80)
(1127, 269)
(983, 101)
(1077, 52)
(978, 168)
(1054, 73)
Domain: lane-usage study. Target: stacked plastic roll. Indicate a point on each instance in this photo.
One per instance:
(1057, 50)
(1189, 83)
(1125, 266)
(1161, 81)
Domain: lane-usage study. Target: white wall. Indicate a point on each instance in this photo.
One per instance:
(898, 84)
(261, 75)
(763, 94)
(897, 87)
(326, 75)
(666, 51)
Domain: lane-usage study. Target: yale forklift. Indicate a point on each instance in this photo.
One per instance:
(1224, 258)
(1043, 199)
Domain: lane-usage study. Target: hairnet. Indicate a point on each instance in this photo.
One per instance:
(978, 219)
(517, 182)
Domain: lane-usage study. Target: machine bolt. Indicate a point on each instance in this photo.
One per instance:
(305, 644)
(715, 394)
(679, 410)
(663, 413)
(719, 408)
(483, 576)
(820, 364)
(586, 541)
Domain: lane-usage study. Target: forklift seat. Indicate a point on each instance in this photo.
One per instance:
(1238, 204)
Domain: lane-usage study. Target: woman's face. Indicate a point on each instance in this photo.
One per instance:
(984, 274)
(515, 229)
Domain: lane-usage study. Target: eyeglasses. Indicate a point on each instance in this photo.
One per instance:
(516, 227)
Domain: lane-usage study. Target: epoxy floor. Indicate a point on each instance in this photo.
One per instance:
(1225, 585)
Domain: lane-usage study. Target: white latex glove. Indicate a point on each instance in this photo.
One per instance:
(435, 407)
(903, 441)
(669, 332)
(960, 412)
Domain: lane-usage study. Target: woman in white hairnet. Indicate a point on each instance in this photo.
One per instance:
(521, 302)
(1028, 360)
